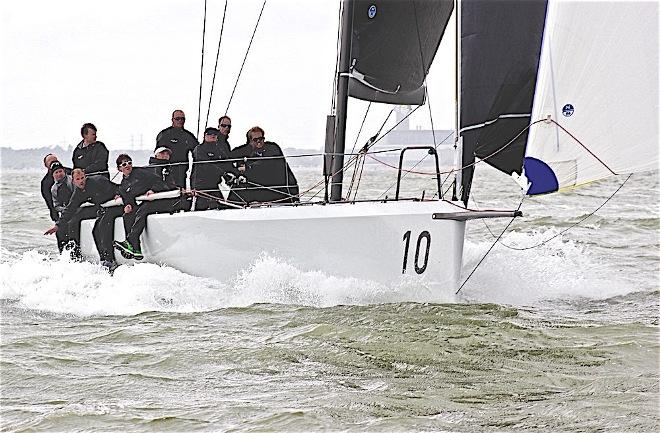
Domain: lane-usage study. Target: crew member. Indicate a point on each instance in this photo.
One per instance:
(224, 127)
(269, 176)
(89, 154)
(206, 171)
(96, 190)
(46, 185)
(181, 142)
(160, 164)
(135, 182)
(61, 192)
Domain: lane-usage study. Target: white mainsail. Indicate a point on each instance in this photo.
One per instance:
(598, 80)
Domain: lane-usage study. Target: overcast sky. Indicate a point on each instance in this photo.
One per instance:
(125, 65)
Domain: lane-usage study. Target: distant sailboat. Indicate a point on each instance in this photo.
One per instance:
(520, 62)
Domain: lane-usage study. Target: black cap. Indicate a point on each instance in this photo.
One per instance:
(211, 131)
(56, 165)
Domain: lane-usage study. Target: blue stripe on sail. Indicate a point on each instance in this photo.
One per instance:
(543, 180)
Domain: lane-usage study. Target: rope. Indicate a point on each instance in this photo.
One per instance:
(254, 32)
(568, 228)
(215, 69)
(491, 247)
(201, 73)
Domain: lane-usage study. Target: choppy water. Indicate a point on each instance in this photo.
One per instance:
(563, 337)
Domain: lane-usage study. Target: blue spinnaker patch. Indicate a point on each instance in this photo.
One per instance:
(543, 180)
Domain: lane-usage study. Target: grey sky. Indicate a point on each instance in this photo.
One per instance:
(125, 65)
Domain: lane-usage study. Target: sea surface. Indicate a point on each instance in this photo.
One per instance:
(556, 330)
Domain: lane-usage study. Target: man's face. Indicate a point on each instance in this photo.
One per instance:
(257, 140)
(178, 119)
(212, 138)
(49, 160)
(224, 126)
(163, 155)
(125, 167)
(79, 179)
(59, 174)
(90, 136)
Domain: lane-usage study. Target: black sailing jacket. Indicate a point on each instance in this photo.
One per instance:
(98, 190)
(181, 142)
(268, 174)
(92, 159)
(141, 180)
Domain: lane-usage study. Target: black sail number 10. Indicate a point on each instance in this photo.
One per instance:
(423, 235)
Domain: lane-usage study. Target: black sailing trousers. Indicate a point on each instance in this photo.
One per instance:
(104, 232)
(136, 221)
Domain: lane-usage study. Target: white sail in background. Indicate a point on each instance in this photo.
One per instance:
(598, 79)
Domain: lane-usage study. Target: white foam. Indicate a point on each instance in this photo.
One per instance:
(38, 281)
(559, 269)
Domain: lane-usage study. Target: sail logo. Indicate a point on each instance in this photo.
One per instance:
(568, 110)
(372, 11)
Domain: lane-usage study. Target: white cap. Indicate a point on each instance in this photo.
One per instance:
(162, 149)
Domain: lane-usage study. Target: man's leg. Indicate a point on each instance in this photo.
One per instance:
(143, 211)
(104, 231)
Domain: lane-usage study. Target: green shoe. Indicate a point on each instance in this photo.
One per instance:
(137, 254)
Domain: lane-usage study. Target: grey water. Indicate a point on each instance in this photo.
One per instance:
(555, 331)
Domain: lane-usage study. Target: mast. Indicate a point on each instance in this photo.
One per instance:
(342, 101)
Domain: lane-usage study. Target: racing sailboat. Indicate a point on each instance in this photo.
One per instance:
(534, 80)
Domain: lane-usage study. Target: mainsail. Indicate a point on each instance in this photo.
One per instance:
(598, 85)
(500, 50)
(392, 46)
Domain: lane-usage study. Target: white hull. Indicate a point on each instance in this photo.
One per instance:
(359, 240)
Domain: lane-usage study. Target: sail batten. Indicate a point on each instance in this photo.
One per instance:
(393, 45)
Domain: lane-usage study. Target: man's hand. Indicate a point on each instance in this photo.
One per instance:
(128, 208)
(51, 230)
(148, 193)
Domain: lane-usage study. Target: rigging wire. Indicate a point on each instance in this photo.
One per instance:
(568, 228)
(337, 50)
(361, 157)
(215, 69)
(491, 247)
(201, 73)
(254, 32)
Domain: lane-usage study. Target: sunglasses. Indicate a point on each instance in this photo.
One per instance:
(126, 164)
(258, 139)
(223, 125)
(180, 119)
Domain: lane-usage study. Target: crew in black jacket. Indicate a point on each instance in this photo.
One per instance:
(89, 154)
(269, 177)
(160, 164)
(206, 173)
(46, 185)
(136, 181)
(97, 190)
(181, 142)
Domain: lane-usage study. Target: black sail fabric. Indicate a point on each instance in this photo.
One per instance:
(500, 50)
(392, 47)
